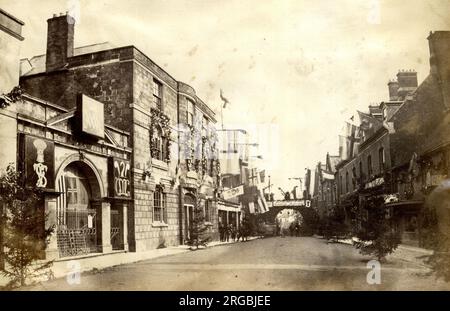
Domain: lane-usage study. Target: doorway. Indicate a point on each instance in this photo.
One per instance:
(77, 223)
(188, 217)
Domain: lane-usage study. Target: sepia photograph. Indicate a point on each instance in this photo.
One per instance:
(224, 146)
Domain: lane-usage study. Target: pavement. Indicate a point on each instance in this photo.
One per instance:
(95, 262)
(289, 263)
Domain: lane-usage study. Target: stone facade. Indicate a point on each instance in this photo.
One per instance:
(123, 79)
(69, 151)
(413, 137)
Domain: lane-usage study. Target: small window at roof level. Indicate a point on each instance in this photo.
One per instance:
(157, 94)
(190, 112)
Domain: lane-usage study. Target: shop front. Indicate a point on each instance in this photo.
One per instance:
(85, 182)
(229, 214)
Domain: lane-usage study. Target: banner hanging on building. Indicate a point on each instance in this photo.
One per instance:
(119, 171)
(38, 156)
(234, 192)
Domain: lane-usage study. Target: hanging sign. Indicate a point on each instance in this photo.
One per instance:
(119, 177)
(90, 114)
(38, 156)
(234, 192)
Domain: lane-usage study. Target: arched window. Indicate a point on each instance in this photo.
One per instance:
(361, 173)
(346, 182)
(159, 205)
(354, 177)
(369, 166)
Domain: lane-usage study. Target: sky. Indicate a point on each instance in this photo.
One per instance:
(292, 70)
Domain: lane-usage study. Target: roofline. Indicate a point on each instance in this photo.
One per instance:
(12, 17)
(211, 113)
(39, 100)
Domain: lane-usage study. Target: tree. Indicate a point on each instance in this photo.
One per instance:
(435, 228)
(310, 221)
(11, 97)
(24, 233)
(198, 232)
(377, 236)
(334, 225)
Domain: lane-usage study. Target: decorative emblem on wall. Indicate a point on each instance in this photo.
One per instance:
(119, 177)
(39, 167)
(38, 161)
(159, 121)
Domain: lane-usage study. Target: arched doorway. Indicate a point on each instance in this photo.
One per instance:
(77, 226)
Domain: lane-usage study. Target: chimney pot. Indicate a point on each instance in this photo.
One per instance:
(60, 39)
(439, 45)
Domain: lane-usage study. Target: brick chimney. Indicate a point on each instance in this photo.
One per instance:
(60, 35)
(407, 82)
(439, 43)
(393, 90)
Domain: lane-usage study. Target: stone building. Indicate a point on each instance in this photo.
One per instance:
(324, 192)
(173, 167)
(402, 154)
(365, 174)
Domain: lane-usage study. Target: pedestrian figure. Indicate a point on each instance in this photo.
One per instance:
(233, 233)
(221, 232)
(297, 229)
(227, 232)
(292, 229)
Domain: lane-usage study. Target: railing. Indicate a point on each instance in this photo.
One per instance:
(116, 225)
(78, 235)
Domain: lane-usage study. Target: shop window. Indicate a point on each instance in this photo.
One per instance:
(159, 205)
(157, 94)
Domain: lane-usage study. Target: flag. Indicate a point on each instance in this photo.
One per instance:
(345, 145)
(262, 203)
(224, 99)
(308, 182)
(369, 124)
(61, 201)
(352, 138)
(262, 176)
(251, 207)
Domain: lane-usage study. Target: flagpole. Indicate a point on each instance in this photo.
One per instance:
(221, 114)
